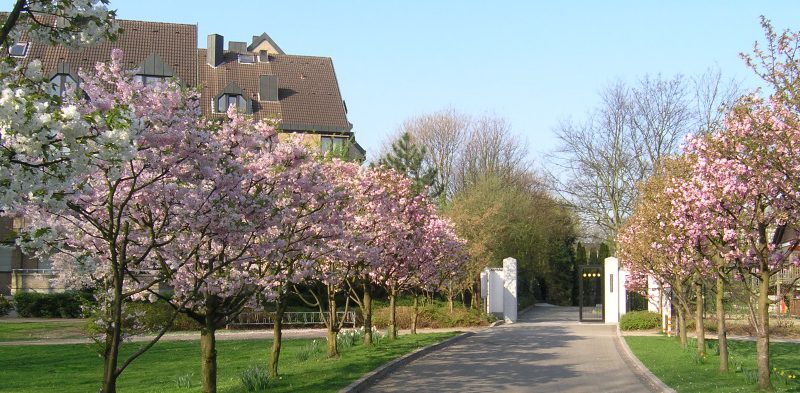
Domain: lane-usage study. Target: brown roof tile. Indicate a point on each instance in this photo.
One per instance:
(175, 43)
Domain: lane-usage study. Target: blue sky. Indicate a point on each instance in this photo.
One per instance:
(533, 63)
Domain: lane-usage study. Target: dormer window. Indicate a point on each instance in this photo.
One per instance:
(232, 95)
(246, 58)
(20, 49)
(153, 70)
(226, 100)
(62, 80)
(60, 84)
(149, 80)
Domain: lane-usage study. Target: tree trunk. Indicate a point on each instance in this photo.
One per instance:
(367, 316)
(682, 327)
(762, 343)
(450, 302)
(277, 332)
(415, 315)
(113, 338)
(700, 328)
(722, 341)
(392, 331)
(208, 352)
(333, 323)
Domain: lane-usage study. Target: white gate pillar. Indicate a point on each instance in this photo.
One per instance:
(510, 290)
(615, 296)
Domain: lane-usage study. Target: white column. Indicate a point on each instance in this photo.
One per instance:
(611, 289)
(510, 290)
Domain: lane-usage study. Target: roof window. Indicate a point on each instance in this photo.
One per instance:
(20, 49)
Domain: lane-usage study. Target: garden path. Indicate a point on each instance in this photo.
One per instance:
(545, 351)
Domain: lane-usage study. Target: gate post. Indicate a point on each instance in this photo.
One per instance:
(510, 290)
(615, 295)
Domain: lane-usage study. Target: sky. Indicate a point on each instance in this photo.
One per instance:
(534, 63)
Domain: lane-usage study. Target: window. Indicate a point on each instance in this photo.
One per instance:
(246, 58)
(226, 100)
(19, 49)
(328, 143)
(6, 254)
(60, 84)
(149, 80)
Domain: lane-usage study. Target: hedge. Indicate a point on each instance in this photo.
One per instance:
(51, 305)
(5, 306)
(640, 320)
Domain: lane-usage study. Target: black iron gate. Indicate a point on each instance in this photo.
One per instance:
(591, 307)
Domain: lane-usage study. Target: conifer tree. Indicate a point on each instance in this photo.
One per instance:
(407, 158)
(580, 254)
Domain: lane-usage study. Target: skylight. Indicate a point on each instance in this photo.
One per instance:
(19, 49)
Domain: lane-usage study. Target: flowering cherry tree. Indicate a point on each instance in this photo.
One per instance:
(44, 141)
(124, 203)
(749, 177)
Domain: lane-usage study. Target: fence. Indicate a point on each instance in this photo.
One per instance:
(794, 308)
(262, 318)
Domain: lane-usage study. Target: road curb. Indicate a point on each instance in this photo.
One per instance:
(376, 375)
(640, 369)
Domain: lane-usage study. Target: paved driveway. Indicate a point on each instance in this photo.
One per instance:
(546, 351)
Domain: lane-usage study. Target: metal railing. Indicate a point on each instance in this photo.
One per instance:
(289, 318)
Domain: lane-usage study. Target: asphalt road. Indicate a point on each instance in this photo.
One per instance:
(547, 350)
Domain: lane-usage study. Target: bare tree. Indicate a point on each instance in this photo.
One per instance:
(443, 133)
(492, 149)
(601, 160)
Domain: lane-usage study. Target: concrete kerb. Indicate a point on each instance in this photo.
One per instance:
(376, 375)
(640, 369)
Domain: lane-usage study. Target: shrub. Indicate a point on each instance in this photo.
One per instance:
(51, 305)
(153, 316)
(5, 306)
(255, 378)
(639, 320)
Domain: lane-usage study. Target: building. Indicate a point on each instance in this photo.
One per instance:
(258, 77)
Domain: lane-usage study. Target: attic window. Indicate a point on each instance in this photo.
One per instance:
(60, 84)
(246, 58)
(20, 49)
(226, 100)
(153, 70)
(149, 80)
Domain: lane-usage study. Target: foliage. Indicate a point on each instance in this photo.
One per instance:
(407, 157)
(432, 316)
(74, 368)
(51, 305)
(640, 320)
(5, 306)
(185, 380)
(501, 218)
(152, 317)
(311, 350)
(255, 378)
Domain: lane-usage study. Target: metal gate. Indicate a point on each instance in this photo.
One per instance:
(591, 307)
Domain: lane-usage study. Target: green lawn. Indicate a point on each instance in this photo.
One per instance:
(18, 331)
(682, 371)
(77, 368)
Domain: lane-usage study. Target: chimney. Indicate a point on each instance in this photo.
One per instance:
(237, 47)
(268, 88)
(214, 51)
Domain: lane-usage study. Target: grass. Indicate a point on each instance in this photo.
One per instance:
(20, 331)
(685, 372)
(174, 366)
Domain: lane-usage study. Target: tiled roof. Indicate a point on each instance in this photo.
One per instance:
(309, 99)
(308, 92)
(175, 43)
